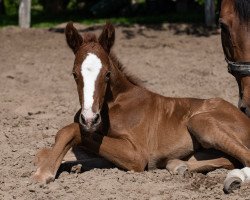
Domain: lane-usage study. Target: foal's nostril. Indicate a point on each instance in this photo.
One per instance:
(83, 121)
(243, 109)
(95, 120)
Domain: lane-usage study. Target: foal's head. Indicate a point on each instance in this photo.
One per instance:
(91, 71)
(235, 35)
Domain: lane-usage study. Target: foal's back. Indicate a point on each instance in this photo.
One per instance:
(161, 125)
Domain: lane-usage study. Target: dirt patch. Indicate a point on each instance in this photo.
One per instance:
(38, 97)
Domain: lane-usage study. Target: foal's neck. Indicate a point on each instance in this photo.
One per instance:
(119, 82)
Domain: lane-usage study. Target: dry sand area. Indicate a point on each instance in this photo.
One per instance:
(38, 97)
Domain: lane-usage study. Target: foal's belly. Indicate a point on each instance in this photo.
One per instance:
(172, 145)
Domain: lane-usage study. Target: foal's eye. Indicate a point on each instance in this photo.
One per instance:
(107, 76)
(75, 75)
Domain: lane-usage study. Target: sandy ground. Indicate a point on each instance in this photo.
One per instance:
(38, 97)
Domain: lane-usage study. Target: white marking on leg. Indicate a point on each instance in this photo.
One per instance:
(246, 171)
(235, 178)
(90, 69)
(236, 173)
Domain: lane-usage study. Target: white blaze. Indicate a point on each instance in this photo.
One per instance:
(90, 69)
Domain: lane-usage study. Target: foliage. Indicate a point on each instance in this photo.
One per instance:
(54, 6)
(98, 11)
(39, 20)
(11, 6)
(106, 7)
(201, 2)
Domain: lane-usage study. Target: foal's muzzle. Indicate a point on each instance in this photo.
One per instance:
(90, 124)
(244, 108)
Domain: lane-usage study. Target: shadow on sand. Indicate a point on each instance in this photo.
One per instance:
(84, 162)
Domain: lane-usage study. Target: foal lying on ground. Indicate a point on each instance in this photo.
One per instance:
(137, 129)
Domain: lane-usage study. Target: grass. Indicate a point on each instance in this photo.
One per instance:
(40, 20)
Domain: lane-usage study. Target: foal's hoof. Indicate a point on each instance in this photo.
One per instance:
(182, 169)
(45, 178)
(177, 167)
(234, 179)
(232, 184)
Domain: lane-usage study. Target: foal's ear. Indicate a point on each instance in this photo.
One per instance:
(107, 37)
(74, 39)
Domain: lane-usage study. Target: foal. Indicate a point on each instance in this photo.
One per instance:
(235, 37)
(137, 129)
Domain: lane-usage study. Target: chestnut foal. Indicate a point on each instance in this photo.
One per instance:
(235, 37)
(137, 129)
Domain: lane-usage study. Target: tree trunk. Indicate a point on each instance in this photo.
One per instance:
(209, 13)
(24, 13)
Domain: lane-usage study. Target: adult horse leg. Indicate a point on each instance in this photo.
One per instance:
(214, 130)
(49, 160)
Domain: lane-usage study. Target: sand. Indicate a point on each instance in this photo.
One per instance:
(38, 97)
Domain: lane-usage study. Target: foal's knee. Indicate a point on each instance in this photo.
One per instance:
(69, 130)
(136, 162)
(59, 135)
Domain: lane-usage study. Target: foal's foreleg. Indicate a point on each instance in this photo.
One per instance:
(49, 160)
(123, 153)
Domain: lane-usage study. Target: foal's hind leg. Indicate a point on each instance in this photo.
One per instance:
(214, 130)
(203, 161)
(49, 160)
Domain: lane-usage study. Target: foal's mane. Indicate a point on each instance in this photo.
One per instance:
(131, 78)
(242, 8)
